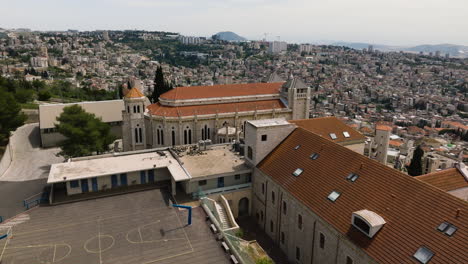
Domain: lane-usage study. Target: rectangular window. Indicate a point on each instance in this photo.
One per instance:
(249, 152)
(263, 188)
(298, 253)
(322, 241)
(202, 182)
(237, 177)
(333, 196)
(299, 221)
(74, 184)
(349, 260)
(423, 255)
(298, 172)
(264, 137)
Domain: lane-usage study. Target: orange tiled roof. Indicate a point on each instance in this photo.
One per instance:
(323, 126)
(174, 111)
(395, 143)
(412, 209)
(446, 180)
(224, 90)
(366, 130)
(134, 93)
(383, 127)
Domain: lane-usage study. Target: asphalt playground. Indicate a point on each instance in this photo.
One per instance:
(133, 228)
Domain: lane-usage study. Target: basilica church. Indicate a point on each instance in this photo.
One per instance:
(214, 114)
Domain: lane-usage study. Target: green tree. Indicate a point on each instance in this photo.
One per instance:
(11, 116)
(159, 85)
(121, 95)
(415, 167)
(44, 95)
(85, 133)
(24, 95)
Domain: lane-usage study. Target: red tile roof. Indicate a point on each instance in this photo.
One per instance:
(225, 90)
(384, 127)
(446, 180)
(395, 143)
(323, 126)
(174, 111)
(412, 209)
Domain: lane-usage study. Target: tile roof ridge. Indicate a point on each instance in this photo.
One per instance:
(373, 162)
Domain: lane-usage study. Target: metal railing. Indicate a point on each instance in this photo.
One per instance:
(202, 193)
(239, 247)
(42, 197)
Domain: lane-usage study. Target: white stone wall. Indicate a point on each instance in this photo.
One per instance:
(336, 247)
(253, 139)
(197, 123)
(359, 148)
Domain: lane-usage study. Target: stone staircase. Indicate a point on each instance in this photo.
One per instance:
(224, 222)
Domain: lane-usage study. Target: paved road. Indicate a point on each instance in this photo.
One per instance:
(12, 195)
(30, 162)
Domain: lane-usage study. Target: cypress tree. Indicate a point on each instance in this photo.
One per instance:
(159, 85)
(415, 167)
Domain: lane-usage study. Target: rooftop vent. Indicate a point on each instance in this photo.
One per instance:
(367, 222)
(314, 156)
(333, 136)
(298, 172)
(346, 134)
(423, 255)
(333, 196)
(352, 177)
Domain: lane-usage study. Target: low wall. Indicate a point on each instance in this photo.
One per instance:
(6, 160)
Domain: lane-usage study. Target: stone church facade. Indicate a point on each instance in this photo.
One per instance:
(186, 115)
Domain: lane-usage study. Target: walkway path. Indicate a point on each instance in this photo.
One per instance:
(30, 162)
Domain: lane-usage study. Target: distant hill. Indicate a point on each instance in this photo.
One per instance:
(458, 51)
(228, 36)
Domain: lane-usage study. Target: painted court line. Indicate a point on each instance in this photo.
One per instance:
(99, 242)
(87, 222)
(6, 243)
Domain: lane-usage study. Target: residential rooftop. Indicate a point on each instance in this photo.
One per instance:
(330, 128)
(108, 111)
(411, 209)
(110, 165)
(216, 161)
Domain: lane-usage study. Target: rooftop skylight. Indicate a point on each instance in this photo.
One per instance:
(346, 134)
(333, 196)
(352, 177)
(333, 136)
(298, 172)
(447, 228)
(297, 147)
(314, 156)
(423, 255)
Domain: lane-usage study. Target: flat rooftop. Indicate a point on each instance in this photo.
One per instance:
(96, 167)
(218, 159)
(269, 122)
(108, 111)
(135, 228)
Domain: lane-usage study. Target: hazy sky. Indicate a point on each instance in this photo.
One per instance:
(398, 22)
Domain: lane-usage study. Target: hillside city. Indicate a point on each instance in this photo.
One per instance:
(133, 146)
(422, 96)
